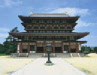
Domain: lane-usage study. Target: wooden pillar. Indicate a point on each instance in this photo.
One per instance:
(62, 47)
(69, 48)
(53, 47)
(36, 47)
(44, 46)
(20, 47)
(77, 48)
(28, 48)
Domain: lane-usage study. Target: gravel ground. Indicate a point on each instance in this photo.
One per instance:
(38, 67)
(8, 64)
(87, 64)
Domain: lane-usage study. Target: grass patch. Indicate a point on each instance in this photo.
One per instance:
(3, 55)
(87, 64)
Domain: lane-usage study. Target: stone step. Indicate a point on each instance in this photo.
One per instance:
(51, 55)
(75, 55)
(23, 54)
(65, 55)
(60, 55)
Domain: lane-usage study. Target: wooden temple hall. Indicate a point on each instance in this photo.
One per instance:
(43, 28)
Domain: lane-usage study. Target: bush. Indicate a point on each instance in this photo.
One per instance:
(1, 49)
(82, 49)
(9, 47)
(85, 49)
(88, 49)
(95, 49)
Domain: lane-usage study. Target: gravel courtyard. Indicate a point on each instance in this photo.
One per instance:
(37, 67)
(9, 64)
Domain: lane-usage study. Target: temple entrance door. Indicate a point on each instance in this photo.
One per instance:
(66, 48)
(25, 49)
(73, 49)
(58, 49)
(32, 48)
(40, 50)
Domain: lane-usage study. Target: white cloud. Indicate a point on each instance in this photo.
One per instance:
(82, 23)
(3, 35)
(4, 29)
(10, 3)
(74, 12)
(71, 11)
(4, 32)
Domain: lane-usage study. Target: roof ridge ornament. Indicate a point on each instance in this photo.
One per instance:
(66, 13)
(31, 13)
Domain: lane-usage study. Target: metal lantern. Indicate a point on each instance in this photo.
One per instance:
(48, 51)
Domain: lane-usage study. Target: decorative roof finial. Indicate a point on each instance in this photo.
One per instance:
(66, 13)
(31, 13)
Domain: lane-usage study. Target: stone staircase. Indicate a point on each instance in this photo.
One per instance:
(23, 54)
(74, 55)
(63, 55)
(35, 55)
(19, 54)
(38, 55)
(51, 55)
(77, 54)
(82, 54)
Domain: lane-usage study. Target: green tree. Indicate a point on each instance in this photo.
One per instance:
(88, 49)
(1, 49)
(82, 49)
(10, 47)
(95, 49)
(85, 49)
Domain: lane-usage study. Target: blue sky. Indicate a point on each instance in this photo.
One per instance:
(87, 9)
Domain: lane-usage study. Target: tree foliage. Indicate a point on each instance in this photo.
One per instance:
(95, 49)
(85, 49)
(9, 47)
(82, 49)
(1, 48)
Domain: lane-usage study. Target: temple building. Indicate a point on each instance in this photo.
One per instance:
(44, 28)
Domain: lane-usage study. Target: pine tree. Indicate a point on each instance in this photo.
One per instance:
(10, 47)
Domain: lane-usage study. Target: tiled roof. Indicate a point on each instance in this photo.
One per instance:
(73, 33)
(49, 15)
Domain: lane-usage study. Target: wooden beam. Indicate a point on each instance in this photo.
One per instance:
(21, 47)
(44, 46)
(69, 48)
(77, 48)
(62, 47)
(36, 47)
(46, 35)
(53, 47)
(28, 48)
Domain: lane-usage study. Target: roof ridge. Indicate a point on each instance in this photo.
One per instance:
(50, 13)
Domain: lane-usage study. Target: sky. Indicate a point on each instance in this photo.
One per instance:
(86, 9)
